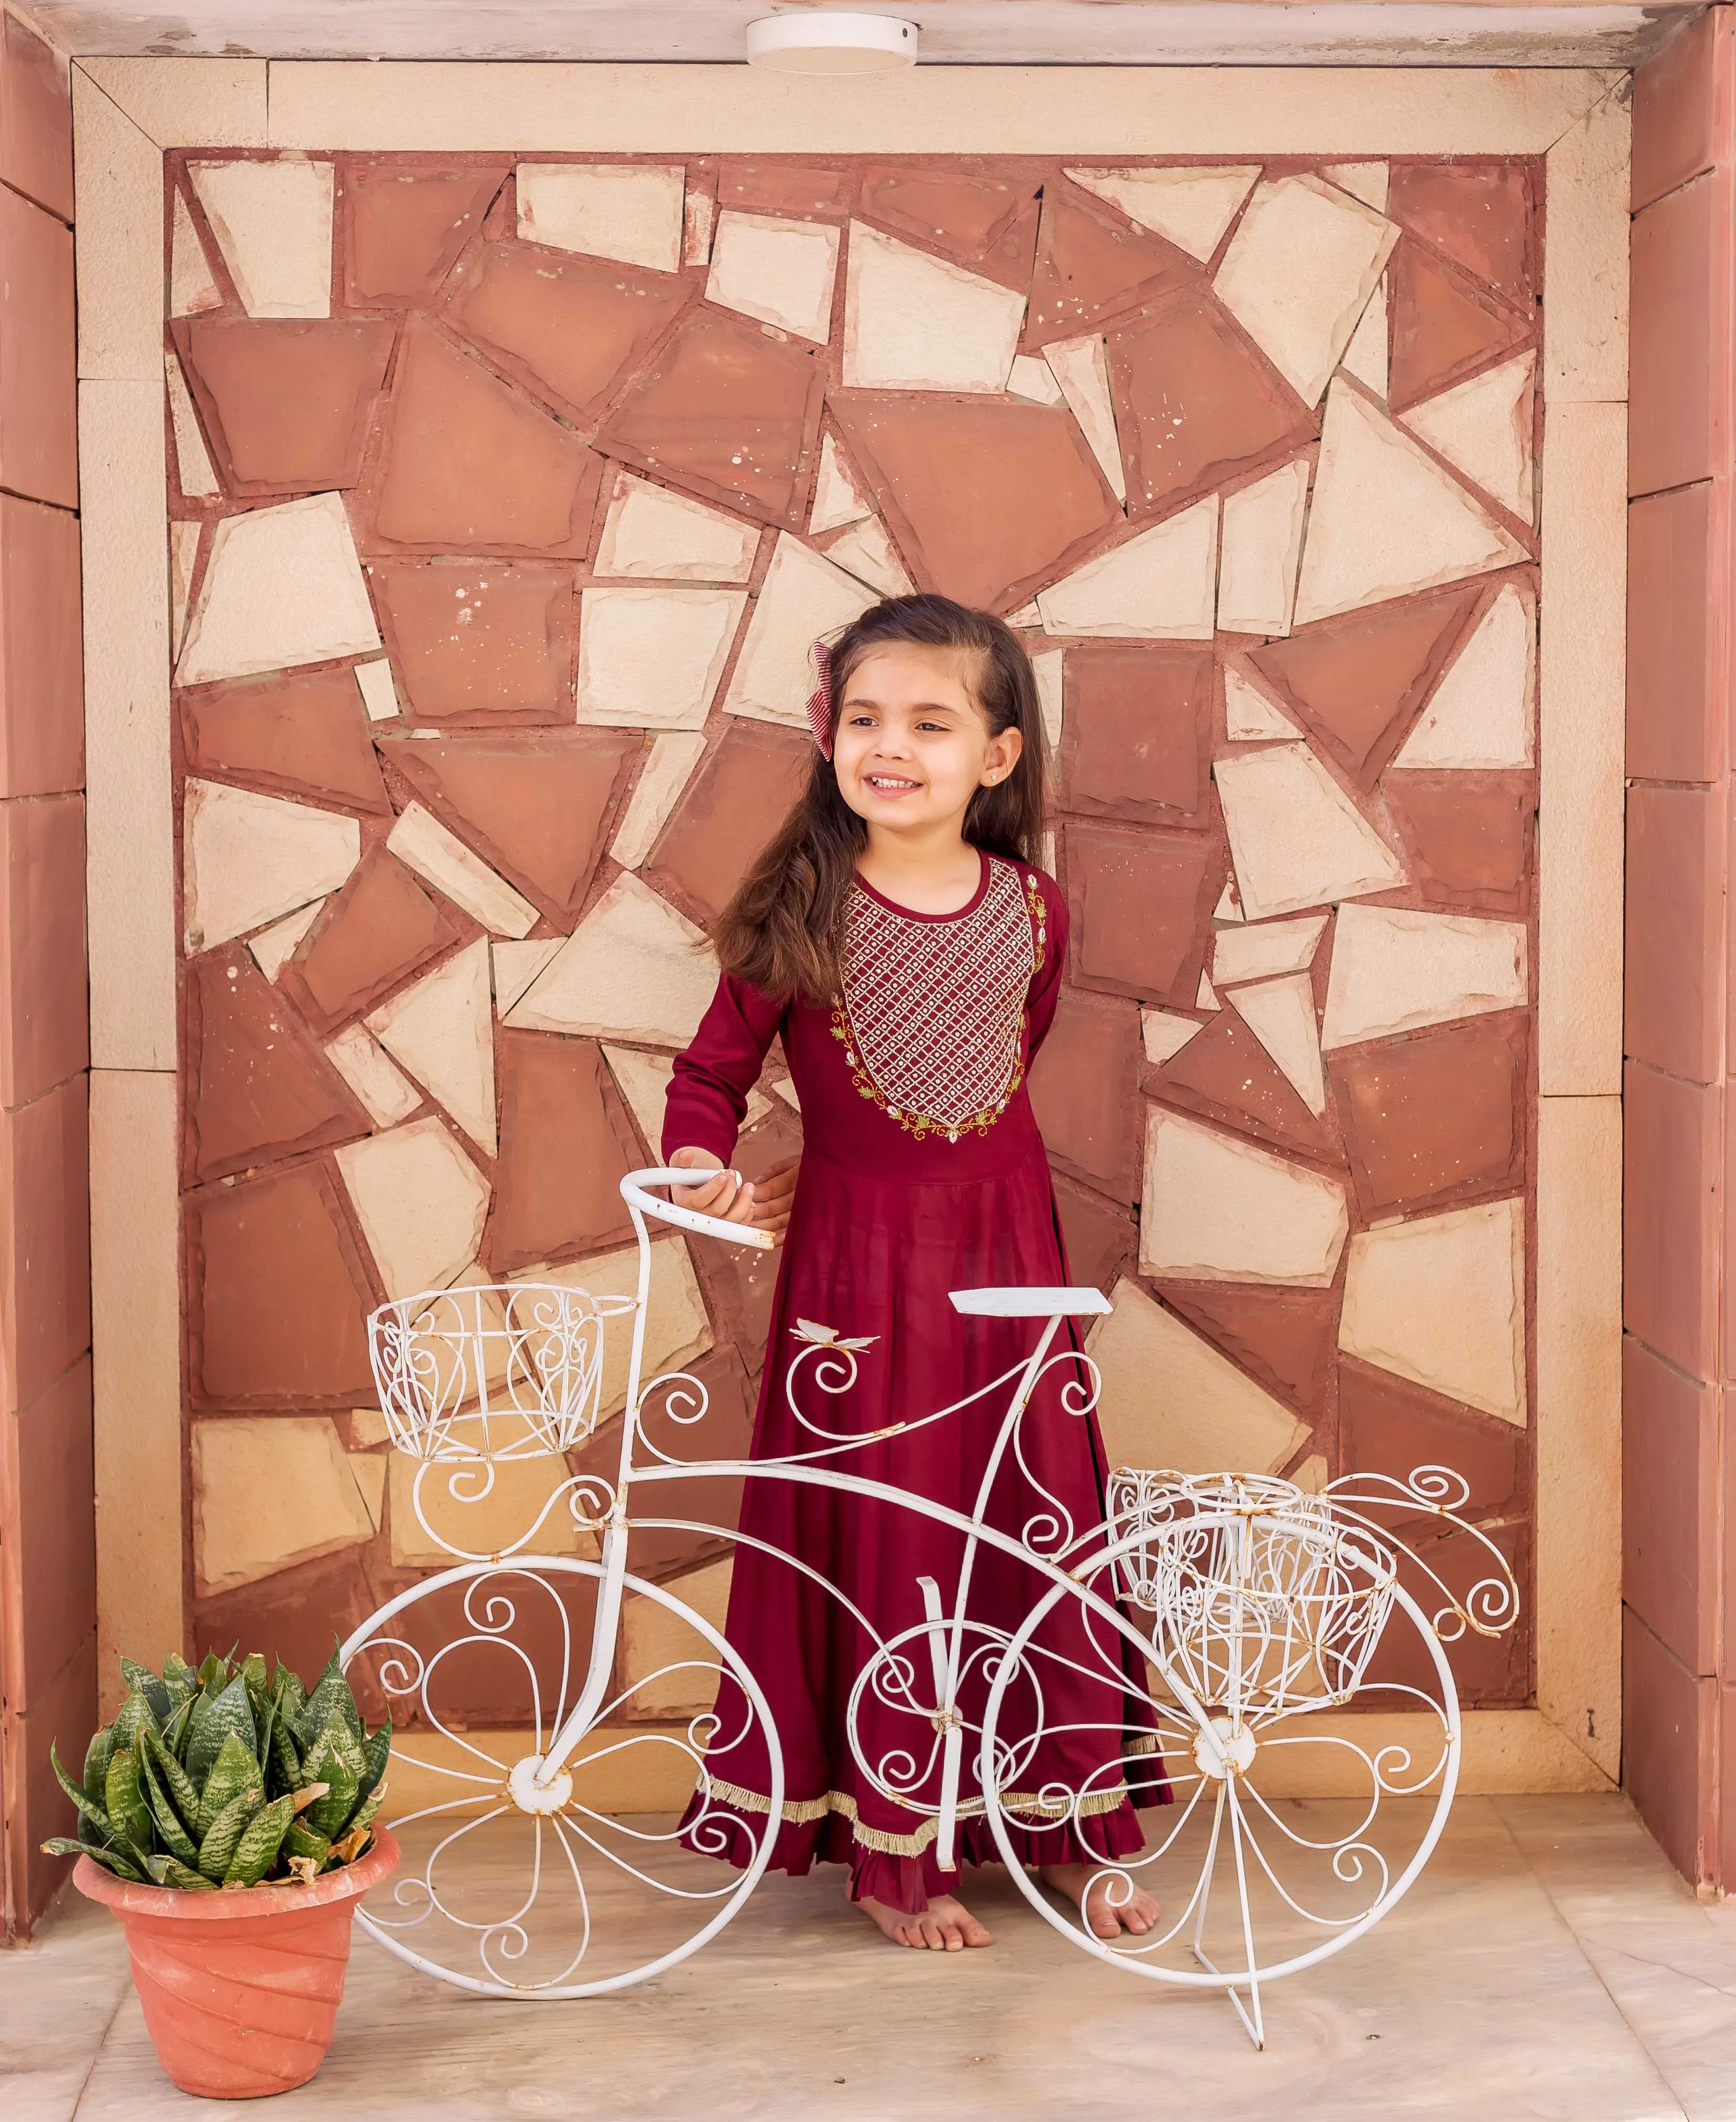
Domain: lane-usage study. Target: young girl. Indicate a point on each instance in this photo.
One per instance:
(900, 937)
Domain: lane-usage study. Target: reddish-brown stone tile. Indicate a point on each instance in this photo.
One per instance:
(1436, 1118)
(1479, 213)
(1224, 1073)
(258, 1089)
(1194, 403)
(565, 1145)
(36, 1804)
(1284, 1338)
(491, 641)
(1675, 109)
(1093, 267)
(783, 188)
(44, 1239)
(38, 405)
(1386, 1425)
(41, 650)
(301, 736)
(988, 498)
(468, 462)
(35, 118)
(726, 410)
(1136, 739)
(1468, 835)
(1085, 1091)
(1141, 905)
(1488, 1671)
(1673, 1173)
(1669, 1734)
(989, 224)
(286, 401)
(403, 228)
(1676, 689)
(570, 328)
(1675, 1011)
(277, 1295)
(373, 934)
(1680, 346)
(1443, 326)
(734, 803)
(292, 1617)
(1099, 1237)
(48, 1562)
(1358, 681)
(44, 1003)
(536, 807)
(1670, 1562)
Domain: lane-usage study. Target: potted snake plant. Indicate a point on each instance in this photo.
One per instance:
(228, 1819)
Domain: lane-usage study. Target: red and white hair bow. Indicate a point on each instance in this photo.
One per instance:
(820, 700)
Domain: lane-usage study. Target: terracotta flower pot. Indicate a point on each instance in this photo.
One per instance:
(241, 1989)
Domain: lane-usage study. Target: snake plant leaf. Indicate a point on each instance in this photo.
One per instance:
(175, 1780)
(90, 1808)
(363, 1814)
(353, 1845)
(135, 1715)
(376, 1752)
(170, 1830)
(287, 1689)
(111, 1859)
(175, 1732)
(308, 1793)
(331, 1696)
(307, 1844)
(257, 1850)
(171, 1871)
(334, 1759)
(180, 1678)
(265, 1716)
(212, 1672)
(234, 1770)
(217, 1847)
(96, 1758)
(228, 1714)
(142, 1681)
(127, 1808)
(253, 1670)
(286, 1756)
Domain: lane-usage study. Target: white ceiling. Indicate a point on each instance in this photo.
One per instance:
(957, 32)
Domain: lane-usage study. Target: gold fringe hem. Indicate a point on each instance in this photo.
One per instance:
(803, 1811)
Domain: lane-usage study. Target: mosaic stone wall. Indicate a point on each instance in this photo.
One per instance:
(504, 503)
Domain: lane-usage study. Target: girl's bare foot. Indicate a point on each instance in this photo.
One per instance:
(945, 1925)
(1098, 1892)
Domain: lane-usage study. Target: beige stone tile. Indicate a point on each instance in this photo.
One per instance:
(1027, 616)
(1259, 949)
(866, 552)
(667, 1668)
(1206, 998)
(187, 103)
(1191, 209)
(1366, 357)
(1081, 368)
(1050, 666)
(386, 1094)
(273, 224)
(198, 479)
(515, 965)
(135, 1336)
(482, 1510)
(781, 271)
(1583, 667)
(282, 586)
(421, 1204)
(1262, 548)
(129, 808)
(1280, 1014)
(268, 1491)
(676, 1326)
(1249, 717)
(370, 1469)
(1310, 1475)
(1578, 1422)
(273, 945)
(698, 224)
(58, 2001)
(643, 1080)
(440, 858)
(785, 1089)
(1206, 1418)
(803, 597)
(1367, 181)
(379, 694)
(1393, 970)
(651, 658)
(1385, 519)
(1030, 377)
(837, 494)
(193, 286)
(633, 968)
(634, 212)
(1160, 584)
(655, 794)
(368, 1427)
(118, 174)
(1483, 428)
(1586, 284)
(1441, 1300)
(1218, 1209)
(915, 322)
(1298, 274)
(249, 858)
(1481, 712)
(653, 532)
(183, 555)
(440, 1028)
(1297, 839)
(1228, 907)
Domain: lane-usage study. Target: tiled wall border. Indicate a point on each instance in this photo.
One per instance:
(127, 111)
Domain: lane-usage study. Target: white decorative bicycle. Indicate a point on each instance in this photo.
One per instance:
(1253, 1609)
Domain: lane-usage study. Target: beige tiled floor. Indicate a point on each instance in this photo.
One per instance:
(1548, 1964)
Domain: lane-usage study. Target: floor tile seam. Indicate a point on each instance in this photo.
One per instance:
(102, 2043)
(1585, 1954)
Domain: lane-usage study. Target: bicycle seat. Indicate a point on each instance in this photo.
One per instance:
(1030, 1303)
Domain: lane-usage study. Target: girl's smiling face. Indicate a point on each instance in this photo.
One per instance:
(912, 747)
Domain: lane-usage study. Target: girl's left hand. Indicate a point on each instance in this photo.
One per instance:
(775, 1196)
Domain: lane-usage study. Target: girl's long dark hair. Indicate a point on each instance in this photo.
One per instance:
(780, 931)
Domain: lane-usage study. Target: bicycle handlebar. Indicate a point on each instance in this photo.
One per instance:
(635, 1190)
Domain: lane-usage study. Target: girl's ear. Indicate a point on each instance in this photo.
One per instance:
(1003, 756)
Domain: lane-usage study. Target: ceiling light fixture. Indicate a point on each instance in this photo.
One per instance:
(815, 40)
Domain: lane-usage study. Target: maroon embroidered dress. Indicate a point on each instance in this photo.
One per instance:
(922, 1172)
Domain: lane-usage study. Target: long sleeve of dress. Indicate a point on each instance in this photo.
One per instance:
(1045, 984)
(707, 1098)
